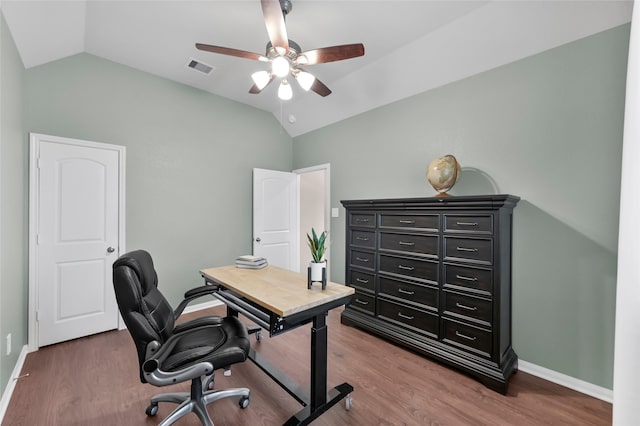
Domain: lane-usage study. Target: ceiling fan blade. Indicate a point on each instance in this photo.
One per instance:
(231, 52)
(276, 28)
(320, 88)
(255, 89)
(331, 54)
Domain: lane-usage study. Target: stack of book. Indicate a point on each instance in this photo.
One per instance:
(248, 261)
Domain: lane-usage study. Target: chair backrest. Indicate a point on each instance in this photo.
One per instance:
(147, 314)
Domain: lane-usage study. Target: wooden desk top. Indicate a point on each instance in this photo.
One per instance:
(281, 291)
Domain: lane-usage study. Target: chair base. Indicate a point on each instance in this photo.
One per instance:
(195, 402)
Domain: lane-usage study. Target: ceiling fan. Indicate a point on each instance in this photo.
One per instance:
(285, 55)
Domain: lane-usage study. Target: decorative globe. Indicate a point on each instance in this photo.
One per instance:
(443, 173)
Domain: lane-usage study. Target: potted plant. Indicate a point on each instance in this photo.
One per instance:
(317, 245)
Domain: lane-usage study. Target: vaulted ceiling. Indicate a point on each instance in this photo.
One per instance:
(410, 46)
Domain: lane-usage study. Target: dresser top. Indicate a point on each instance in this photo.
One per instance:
(462, 201)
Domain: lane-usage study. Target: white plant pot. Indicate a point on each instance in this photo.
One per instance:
(316, 270)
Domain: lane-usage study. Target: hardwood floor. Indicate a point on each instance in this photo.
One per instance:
(95, 381)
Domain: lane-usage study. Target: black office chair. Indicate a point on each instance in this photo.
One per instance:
(170, 353)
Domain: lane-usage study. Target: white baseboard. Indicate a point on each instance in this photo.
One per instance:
(11, 384)
(567, 381)
(200, 306)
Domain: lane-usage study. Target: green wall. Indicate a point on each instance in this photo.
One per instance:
(189, 157)
(548, 129)
(13, 206)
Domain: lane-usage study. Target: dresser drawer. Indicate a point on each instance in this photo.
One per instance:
(409, 292)
(363, 259)
(469, 224)
(363, 302)
(424, 270)
(473, 339)
(363, 238)
(367, 220)
(422, 221)
(361, 280)
(475, 279)
(468, 307)
(409, 243)
(414, 319)
(478, 250)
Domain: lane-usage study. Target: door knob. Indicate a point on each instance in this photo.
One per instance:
(258, 239)
(110, 250)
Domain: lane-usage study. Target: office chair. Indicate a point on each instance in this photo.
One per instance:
(170, 353)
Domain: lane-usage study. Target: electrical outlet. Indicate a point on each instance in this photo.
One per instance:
(9, 344)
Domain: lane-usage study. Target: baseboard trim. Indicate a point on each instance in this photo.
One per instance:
(201, 306)
(587, 388)
(11, 384)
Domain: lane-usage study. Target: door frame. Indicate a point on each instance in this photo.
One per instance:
(34, 154)
(327, 213)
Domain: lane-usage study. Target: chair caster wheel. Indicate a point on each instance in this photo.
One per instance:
(259, 335)
(152, 410)
(348, 402)
(209, 384)
(244, 402)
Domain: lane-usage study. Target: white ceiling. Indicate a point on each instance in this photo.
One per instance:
(410, 46)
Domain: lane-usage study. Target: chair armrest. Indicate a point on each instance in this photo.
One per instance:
(193, 294)
(152, 366)
(158, 377)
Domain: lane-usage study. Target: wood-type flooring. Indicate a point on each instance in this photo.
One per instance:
(95, 381)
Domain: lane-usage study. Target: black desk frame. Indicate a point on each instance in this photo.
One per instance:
(319, 400)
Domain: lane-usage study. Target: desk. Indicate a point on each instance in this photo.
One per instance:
(278, 300)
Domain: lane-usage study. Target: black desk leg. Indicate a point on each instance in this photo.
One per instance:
(319, 402)
(319, 361)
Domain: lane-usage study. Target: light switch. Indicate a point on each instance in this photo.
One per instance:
(335, 212)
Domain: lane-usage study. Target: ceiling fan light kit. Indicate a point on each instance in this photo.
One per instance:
(280, 66)
(261, 79)
(304, 79)
(284, 91)
(286, 56)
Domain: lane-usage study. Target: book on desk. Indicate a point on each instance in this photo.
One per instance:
(248, 261)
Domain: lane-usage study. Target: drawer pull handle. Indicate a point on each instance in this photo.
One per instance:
(360, 280)
(406, 243)
(401, 315)
(469, 308)
(362, 259)
(467, 223)
(362, 302)
(473, 250)
(464, 336)
(462, 277)
(360, 219)
(408, 222)
(406, 268)
(403, 291)
(362, 238)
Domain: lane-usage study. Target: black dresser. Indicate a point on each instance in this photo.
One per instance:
(434, 275)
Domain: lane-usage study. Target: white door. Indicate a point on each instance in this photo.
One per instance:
(275, 217)
(77, 237)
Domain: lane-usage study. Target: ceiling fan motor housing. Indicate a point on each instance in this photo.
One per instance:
(292, 54)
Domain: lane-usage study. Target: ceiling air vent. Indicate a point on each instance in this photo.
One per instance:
(199, 66)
